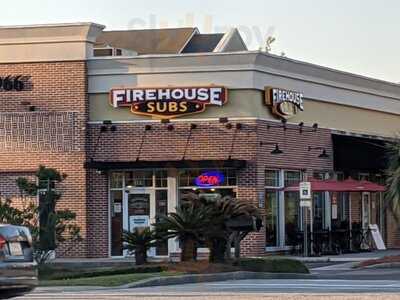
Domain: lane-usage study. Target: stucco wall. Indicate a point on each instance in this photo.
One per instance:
(250, 104)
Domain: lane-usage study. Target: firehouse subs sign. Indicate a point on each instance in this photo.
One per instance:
(284, 103)
(168, 102)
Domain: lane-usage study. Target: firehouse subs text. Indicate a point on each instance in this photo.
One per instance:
(168, 102)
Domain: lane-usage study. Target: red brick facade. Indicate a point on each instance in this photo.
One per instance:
(52, 135)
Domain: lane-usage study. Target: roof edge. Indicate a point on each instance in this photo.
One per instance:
(54, 25)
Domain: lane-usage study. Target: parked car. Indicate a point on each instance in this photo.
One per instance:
(18, 272)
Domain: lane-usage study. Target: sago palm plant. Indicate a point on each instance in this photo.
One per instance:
(187, 224)
(139, 241)
(219, 235)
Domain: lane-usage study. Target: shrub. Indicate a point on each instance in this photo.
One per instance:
(139, 242)
(272, 265)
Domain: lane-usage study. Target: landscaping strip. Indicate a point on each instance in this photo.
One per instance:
(105, 281)
(197, 278)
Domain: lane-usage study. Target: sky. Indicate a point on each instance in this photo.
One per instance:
(358, 36)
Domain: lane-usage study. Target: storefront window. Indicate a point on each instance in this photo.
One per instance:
(319, 210)
(187, 184)
(292, 220)
(139, 178)
(271, 218)
(161, 178)
(116, 180)
(187, 177)
(319, 175)
(292, 177)
(116, 222)
(272, 178)
(378, 178)
(340, 176)
(364, 176)
(340, 210)
(161, 210)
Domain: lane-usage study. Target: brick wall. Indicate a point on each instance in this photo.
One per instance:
(97, 214)
(209, 141)
(52, 135)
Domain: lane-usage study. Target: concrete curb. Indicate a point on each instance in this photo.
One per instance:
(332, 259)
(197, 278)
(392, 265)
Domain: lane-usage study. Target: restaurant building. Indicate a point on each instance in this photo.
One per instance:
(139, 118)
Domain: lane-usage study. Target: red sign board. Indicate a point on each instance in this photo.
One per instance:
(168, 102)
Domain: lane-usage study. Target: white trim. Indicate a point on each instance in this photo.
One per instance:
(276, 249)
(277, 57)
(195, 31)
(53, 25)
(260, 69)
(221, 46)
(222, 43)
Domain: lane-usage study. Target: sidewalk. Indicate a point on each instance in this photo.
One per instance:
(352, 257)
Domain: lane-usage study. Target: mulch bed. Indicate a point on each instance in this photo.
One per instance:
(386, 259)
(201, 267)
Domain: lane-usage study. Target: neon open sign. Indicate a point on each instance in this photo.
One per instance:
(209, 179)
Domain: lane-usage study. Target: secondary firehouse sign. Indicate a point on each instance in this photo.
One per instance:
(284, 103)
(168, 102)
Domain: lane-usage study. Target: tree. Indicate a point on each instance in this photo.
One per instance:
(49, 227)
(231, 221)
(188, 224)
(139, 241)
(217, 223)
(392, 195)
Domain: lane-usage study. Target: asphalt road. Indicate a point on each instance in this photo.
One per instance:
(335, 281)
(238, 289)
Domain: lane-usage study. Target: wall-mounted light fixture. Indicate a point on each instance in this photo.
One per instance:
(323, 153)
(301, 125)
(223, 120)
(28, 104)
(108, 126)
(276, 149)
(282, 125)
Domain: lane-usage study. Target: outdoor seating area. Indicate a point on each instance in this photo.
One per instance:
(342, 236)
(334, 242)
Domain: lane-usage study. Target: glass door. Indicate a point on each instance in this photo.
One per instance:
(144, 207)
(138, 210)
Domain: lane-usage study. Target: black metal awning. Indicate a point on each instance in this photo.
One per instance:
(358, 153)
(118, 165)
